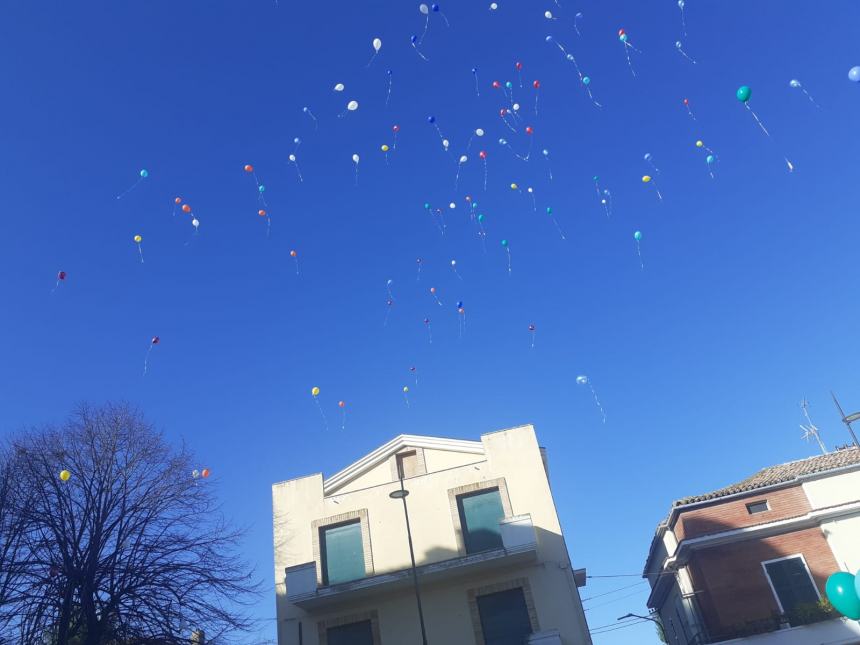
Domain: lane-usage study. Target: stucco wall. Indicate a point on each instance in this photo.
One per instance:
(512, 455)
(833, 490)
(843, 533)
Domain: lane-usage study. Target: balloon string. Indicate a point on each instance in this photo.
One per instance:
(406, 398)
(146, 359)
(140, 251)
(509, 259)
(683, 21)
(426, 27)
(417, 51)
(809, 96)
(533, 340)
(343, 421)
(387, 99)
(128, 190)
(485, 175)
(298, 171)
(322, 414)
(558, 228)
(597, 402)
(757, 120)
(639, 251)
(629, 62)
(296, 260)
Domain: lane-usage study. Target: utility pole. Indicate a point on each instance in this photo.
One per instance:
(847, 420)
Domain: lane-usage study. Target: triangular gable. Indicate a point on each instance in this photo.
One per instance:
(384, 452)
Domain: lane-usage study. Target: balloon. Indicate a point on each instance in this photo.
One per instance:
(854, 74)
(493, 6)
(293, 254)
(352, 106)
(195, 474)
(155, 340)
(529, 129)
(186, 208)
(549, 38)
(841, 591)
(261, 188)
(518, 65)
(204, 473)
(395, 128)
(384, 147)
(743, 93)
(710, 159)
(460, 304)
(463, 158)
(508, 84)
(515, 186)
(65, 475)
(646, 179)
(341, 404)
(195, 222)
(586, 80)
(623, 38)
(483, 154)
(249, 168)
(504, 242)
(315, 391)
(377, 44)
(445, 143)
(453, 263)
(479, 132)
(532, 327)
(292, 158)
(261, 213)
(637, 235)
(405, 389)
(355, 158)
(339, 87)
(686, 101)
(794, 83)
(548, 16)
(621, 32)
(536, 85)
(496, 85)
(61, 275)
(431, 119)
(581, 380)
(177, 200)
(647, 156)
(423, 8)
(138, 239)
(413, 39)
(699, 143)
(435, 7)
(144, 173)
(545, 152)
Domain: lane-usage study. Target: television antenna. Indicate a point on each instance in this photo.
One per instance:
(810, 430)
(847, 420)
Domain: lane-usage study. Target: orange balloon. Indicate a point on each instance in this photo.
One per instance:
(186, 208)
(205, 473)
(341, 403)
(261, 213)
(293, 254)
(249, 168)
(178, 200)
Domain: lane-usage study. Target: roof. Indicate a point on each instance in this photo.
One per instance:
(781, 474)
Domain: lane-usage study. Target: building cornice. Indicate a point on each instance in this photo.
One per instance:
(381, 454)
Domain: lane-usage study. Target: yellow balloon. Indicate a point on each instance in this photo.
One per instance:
(514, 187)
(699, 143)
(405, 389)
(138, 239)
(646, 179)
(315, 391)
(65, 475)
(384, 147)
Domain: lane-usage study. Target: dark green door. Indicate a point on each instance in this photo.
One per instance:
(352, 634)
(480, 514)
(504, 617)
(342, 553)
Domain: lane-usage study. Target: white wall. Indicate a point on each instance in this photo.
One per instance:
(830, 632)
(843, 534)
(834, 490)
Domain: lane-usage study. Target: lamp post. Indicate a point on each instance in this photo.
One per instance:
(401, 495)
(653, 620)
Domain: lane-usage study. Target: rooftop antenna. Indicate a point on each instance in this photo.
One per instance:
(847, 420)
(810, 430)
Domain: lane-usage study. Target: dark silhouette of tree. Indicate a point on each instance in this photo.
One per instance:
(130, 550)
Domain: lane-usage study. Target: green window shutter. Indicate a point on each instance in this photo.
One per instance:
(792, 583)
(480, 514)
(504, 618)
(352, 634)
(342, 553)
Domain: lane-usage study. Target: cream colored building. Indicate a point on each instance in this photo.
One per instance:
(492, 563)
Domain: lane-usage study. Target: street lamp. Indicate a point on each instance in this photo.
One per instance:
(653, 620)
(401, 495)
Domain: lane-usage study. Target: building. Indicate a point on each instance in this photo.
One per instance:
(492, 563)
(748, 563)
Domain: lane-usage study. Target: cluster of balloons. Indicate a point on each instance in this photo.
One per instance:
(200, 473)
(843, 588)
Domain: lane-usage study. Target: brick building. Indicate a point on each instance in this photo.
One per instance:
(748, 563)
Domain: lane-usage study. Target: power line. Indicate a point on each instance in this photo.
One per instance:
(606, 593)
(622, 626)
(616, 600)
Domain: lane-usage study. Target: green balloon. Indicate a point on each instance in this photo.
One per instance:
(842, 594)
(549, 210)
(743, 93)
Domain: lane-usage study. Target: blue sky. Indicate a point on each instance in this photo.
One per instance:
(744, 306)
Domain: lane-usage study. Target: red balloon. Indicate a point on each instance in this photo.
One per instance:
(496, 85)
(396, 128)
(503, 112)
(204, 473)
(686, 102)
(61, 275)
(432, 289)
(518, 65)
(529, 129)
(249, 168)
(155, 340)
(483, 154)
(341, 404)
(536, 85)
(186, 208)
(293, 254)
(621, 32)
(468, 198)
(177, 200)
(261, 213)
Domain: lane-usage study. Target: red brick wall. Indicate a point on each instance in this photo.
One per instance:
(731, 584)
(733, 514)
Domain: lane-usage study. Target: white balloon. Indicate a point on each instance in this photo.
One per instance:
(423, 8)
(530, 189)
(338, 87)
(445, 143)
(464, 159)
(377, 44)
(356, 158)
(352, 106)
(453, 263)
(582, 380)
(452, 205)
(292, 157)
(195, 222)
(547, 15)
(794, 83)
(516, 107)
(479, 132)
(493, 6)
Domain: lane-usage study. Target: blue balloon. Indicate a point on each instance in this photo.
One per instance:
(570, 57)
(481, 217)
(637, 235)
(549, 39)
(549, 210)
(262, 188)
(504, 243)
(474, 70)
(431, 119)
(503, 142)
(460, 305)
(435, 7)
(854, 74)
(842, 594)
(388, 71)
(304, 109)
(710, 159)
(647, 156)
(508, 84)
(144, 173)
(545, 152)
(623, 38)
(413, 38)
(586, 80)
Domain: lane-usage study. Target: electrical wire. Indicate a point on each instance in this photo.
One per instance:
(606, 593)
(638, 591)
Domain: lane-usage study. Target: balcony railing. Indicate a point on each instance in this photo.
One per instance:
(519, 545)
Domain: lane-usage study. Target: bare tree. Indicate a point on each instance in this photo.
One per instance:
(131, 549)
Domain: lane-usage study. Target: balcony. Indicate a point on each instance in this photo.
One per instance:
(519, 546)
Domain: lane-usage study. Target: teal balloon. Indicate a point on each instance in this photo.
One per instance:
(509, 85)
(586, 80)
(144, 173)
(623, 38)
(262, 188)
(743, 93)
(841, 589)
(637, 235)
(480, 218)
(427, 206)
(710, 159)
(596, 178)
(504, 242)
(549, 210)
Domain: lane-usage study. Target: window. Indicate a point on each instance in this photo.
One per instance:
(407, 464)
(342, 552)
(504, 617)
(791, 583)
(360, 633)
(757, 507)
(480, 514)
